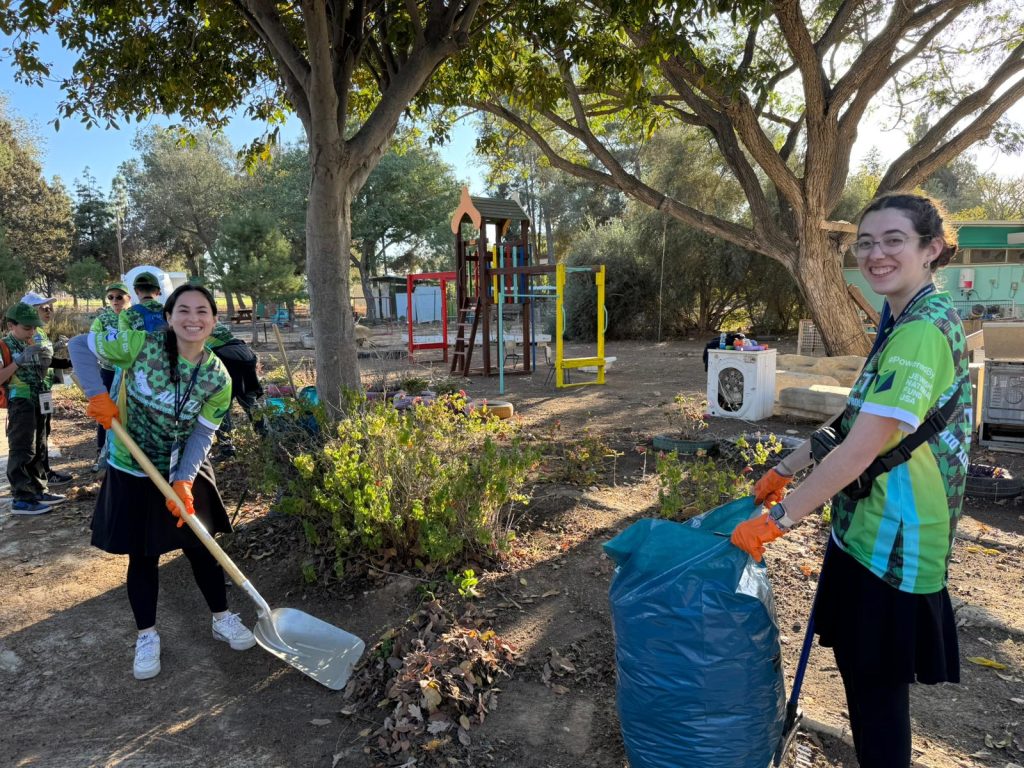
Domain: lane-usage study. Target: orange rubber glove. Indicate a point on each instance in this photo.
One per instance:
(770, 488)
(751, 535)
(102, 409)
(184, 490)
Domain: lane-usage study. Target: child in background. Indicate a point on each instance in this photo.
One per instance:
(24, 375)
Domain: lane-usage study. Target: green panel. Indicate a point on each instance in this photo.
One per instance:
(985, 237)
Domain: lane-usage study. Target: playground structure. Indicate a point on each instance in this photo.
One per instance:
(497, 279)
(410, 286)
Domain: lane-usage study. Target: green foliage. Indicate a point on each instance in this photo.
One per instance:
(428, 485)
(664, 276)
(87, 278)
(35, 214)
(257, 258)
(414, 385)
(181, 189)
(465, 582)
(12, 275)
(95, 238)
(758, 454)
(691, 488)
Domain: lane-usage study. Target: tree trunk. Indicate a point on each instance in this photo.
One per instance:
(549, 239)
(328, 237)
(241, 300)
(231, 304)
(819, 274)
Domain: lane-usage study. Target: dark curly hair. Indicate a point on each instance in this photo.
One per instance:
(170, 339)
(927, 216)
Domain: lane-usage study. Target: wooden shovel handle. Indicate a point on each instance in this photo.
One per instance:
(284, 356)
(192, 521)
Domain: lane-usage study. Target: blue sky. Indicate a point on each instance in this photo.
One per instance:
(69, 151)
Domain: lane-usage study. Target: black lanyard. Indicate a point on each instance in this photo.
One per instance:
(886, 324)
(181, 402)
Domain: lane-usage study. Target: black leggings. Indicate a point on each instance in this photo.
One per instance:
(144, 583)
(879, 716)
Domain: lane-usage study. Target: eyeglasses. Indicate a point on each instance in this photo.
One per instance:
(890, 245)
(116, 297)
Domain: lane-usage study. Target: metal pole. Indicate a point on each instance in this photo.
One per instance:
(501, 338)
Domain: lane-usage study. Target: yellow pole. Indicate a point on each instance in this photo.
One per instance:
(559, 324)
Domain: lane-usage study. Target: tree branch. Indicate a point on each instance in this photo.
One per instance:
(877, 52)
(629, 184)
(914, 166)
(262, 16)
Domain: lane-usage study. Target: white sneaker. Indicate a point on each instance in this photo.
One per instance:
(147, 656)
(231, 630)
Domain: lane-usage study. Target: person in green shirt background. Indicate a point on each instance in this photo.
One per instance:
(148, 314)
(44, 306)
(103, 324)
(882, 602)
(26, 380)
(177, 392)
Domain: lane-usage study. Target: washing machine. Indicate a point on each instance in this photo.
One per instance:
(741, 385)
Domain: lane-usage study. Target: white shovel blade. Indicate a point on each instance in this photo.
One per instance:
(314, 647)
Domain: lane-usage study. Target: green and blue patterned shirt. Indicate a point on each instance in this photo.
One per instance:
(903, 531)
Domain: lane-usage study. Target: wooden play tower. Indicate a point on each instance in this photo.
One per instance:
(479, 265)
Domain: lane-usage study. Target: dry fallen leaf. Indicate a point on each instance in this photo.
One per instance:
(561, 690)
(983, 662)
(320, 721)
(464, 722)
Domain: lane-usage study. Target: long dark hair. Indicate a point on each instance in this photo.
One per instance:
(170, 339)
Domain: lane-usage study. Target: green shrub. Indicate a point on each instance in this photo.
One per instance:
(694, 487)
(429, 485)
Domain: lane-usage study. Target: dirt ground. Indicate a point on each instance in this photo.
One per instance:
(67, 696)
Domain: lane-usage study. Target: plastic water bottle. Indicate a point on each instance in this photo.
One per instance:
(721, 341)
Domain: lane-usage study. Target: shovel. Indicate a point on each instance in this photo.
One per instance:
(314, 647)
(284, 357)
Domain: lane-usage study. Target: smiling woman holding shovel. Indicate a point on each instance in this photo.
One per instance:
(175, 394)
(895, 466)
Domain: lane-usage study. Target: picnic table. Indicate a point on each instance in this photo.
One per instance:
(242, 315)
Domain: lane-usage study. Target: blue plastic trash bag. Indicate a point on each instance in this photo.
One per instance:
(696, 645)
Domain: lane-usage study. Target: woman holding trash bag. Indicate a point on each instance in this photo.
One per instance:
(882, 604)
(177, 394)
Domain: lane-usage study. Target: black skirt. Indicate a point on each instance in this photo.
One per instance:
(131, 516)
(883, 632)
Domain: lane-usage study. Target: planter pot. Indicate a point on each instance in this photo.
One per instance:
(981, 486)
(307, 341)
(381, 395)
(685, 447)
(402, 401)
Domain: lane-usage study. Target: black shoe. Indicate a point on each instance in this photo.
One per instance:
(226, 451)
(50, 499)
(57, 479)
